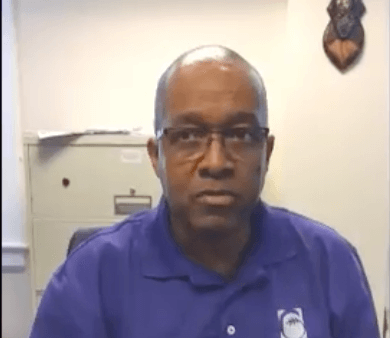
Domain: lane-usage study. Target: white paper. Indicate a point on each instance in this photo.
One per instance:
(52, 134)
(106, 130)
(94, 130)
(42, 135)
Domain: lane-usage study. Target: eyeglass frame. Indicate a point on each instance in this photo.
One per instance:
(209, 131)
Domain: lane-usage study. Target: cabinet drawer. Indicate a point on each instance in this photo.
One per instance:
(50, 244)
(82, 181)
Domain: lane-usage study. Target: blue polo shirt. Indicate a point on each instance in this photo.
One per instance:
(298, 279)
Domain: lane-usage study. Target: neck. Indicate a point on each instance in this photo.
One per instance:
(220, 251)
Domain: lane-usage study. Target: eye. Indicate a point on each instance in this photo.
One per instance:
(292, 321)
(240, 134)
(189, 134)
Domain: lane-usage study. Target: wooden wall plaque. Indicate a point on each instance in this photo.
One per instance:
(344, 36)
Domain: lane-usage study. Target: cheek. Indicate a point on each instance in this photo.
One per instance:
(253, 170)
(252, 176)
(177, 178)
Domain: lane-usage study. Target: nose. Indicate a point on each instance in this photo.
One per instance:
(216, 162)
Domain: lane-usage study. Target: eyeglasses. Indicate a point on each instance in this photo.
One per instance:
(189, 143)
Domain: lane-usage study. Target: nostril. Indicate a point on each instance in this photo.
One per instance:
(216, 173)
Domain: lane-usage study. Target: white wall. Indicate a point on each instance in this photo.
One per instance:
(16, 295)
(336, 135)
(97, 62)
(16, 314)
(86, 63)
(13, 185)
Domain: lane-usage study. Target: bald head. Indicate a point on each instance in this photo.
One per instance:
(203, 54)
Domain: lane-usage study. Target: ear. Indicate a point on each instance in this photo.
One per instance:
(332, 9)
(153, 154)
(269, 148)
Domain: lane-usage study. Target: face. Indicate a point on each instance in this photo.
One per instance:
(216, 190)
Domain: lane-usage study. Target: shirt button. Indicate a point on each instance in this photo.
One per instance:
(231, 330)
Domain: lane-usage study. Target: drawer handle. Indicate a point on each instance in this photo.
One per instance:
(130, 204)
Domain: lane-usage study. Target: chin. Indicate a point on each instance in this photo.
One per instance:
(213, 223)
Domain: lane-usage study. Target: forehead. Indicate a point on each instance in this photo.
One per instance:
(212, 91)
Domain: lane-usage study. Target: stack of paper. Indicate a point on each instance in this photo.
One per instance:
(136, 131)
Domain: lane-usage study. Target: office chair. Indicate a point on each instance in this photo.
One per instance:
(81, 235)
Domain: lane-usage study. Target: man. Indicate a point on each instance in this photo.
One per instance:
(211, 260)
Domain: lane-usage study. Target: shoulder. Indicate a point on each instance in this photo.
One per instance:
(121, 241)
(324, 250)
(310, 236)
(339, 274)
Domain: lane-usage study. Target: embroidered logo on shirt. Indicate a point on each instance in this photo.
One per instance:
(291, 323)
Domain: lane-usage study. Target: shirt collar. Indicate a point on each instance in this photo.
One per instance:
(271, 242)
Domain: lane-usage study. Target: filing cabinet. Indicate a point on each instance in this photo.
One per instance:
(76, 182)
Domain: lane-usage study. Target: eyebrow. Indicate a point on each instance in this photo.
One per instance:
(232, 118)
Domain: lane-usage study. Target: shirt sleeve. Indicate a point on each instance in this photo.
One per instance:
(352, 308)
(71, 306)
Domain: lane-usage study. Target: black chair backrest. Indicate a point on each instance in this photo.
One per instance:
(81, 235)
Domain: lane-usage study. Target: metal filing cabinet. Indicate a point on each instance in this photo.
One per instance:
(75, 182)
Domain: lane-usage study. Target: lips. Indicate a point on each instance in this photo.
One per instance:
(216, 197)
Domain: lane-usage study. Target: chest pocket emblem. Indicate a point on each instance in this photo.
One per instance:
(291, 323)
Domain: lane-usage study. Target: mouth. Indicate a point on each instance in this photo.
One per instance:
(218, 198)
